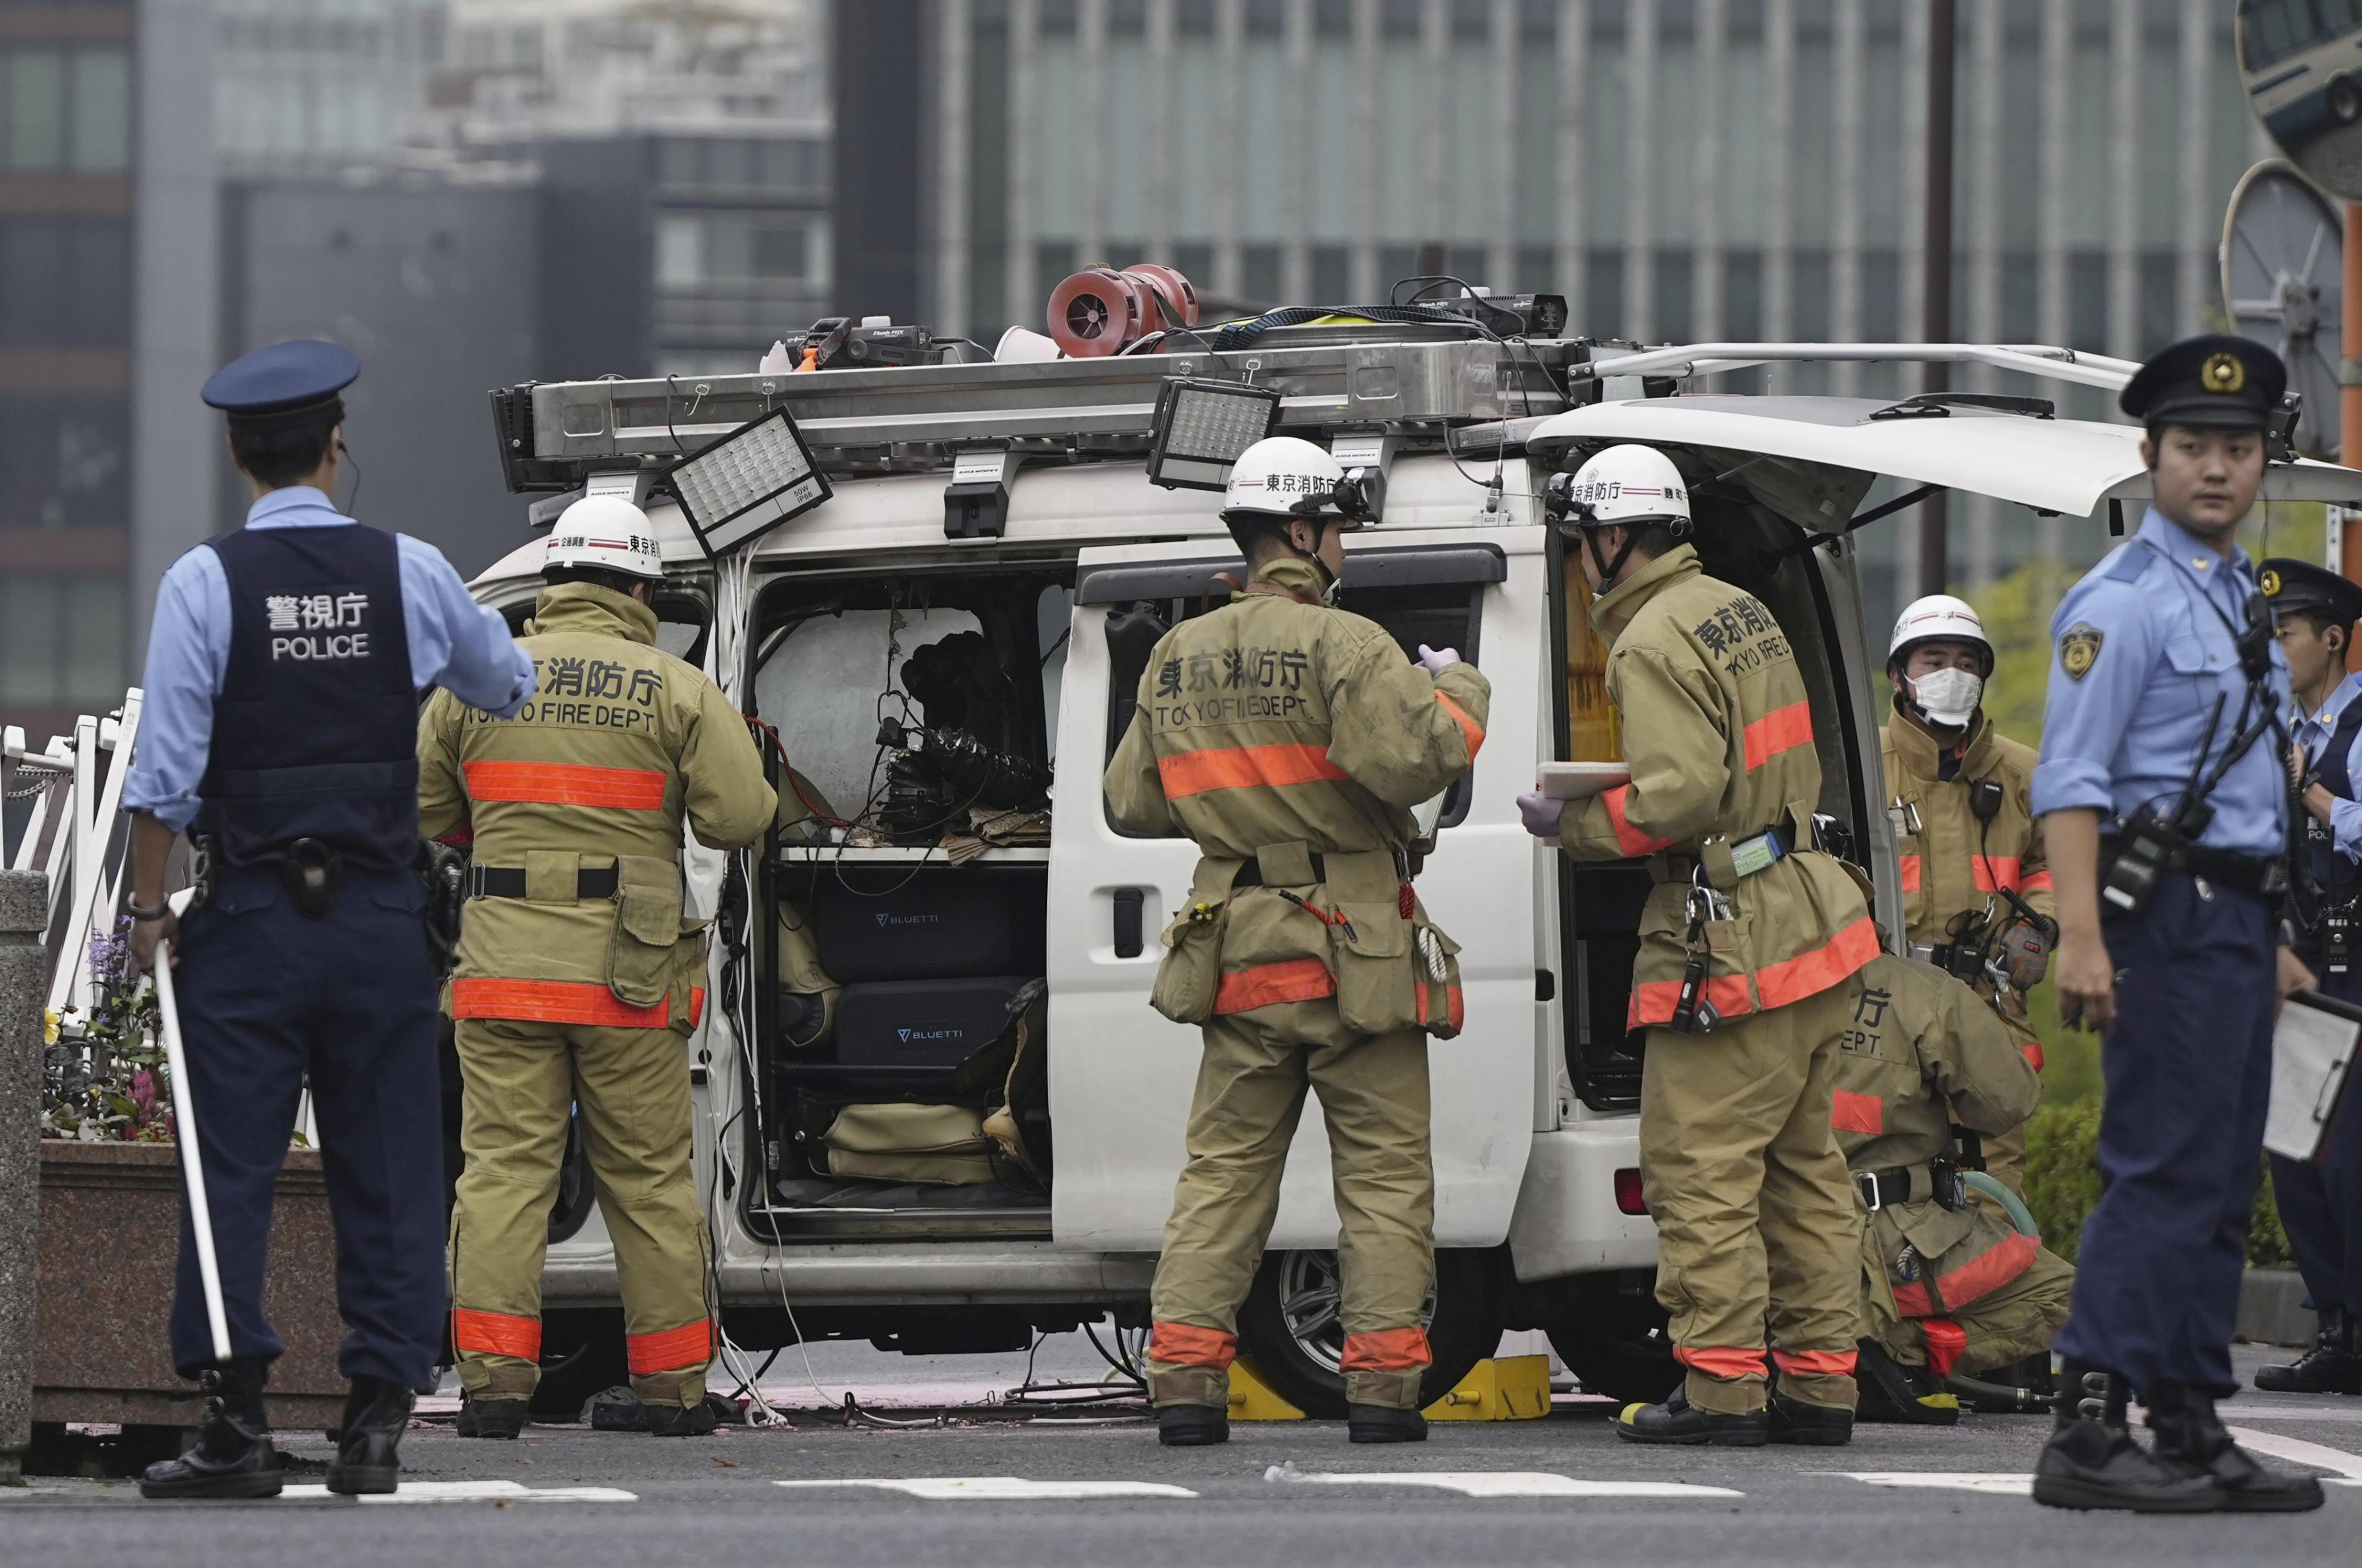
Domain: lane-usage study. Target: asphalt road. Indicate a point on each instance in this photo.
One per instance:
(1283, 1494)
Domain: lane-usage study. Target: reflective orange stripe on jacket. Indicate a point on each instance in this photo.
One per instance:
(1469, 727)
(1289, 980)
(1783, 729)
(1454, 1007)
(1790, 980)
(1852, 1113)
(1911, 874)
(564, 1001)
(1988, 1271)
(568, 784)
(1997, 873)
(669, 1350)
(1387, 1350)
(1654, 1001)
(1629, 839)
(1186, 1344)
(1945, 1341)
(1187, 773)
(495, 1333)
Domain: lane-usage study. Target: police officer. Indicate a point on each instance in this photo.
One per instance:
(2164, 804)
(579, 981)
(2319, 1201)
(1949, 1285)
(1973, 871)
(1290, 740)
(283, 669)
(1748, 938)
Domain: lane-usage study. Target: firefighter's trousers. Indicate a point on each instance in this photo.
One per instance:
(1756, 1218)
(2005, 1324)
(1251, 1088)
(521, 1079)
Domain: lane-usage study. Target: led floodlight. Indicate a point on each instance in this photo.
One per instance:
(1202, 426)
(747, 482)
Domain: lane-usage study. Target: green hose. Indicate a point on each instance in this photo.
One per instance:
(2015, 1205)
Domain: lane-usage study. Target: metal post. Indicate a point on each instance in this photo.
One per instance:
(23, 920)
(1936, 307)
(2349, 392)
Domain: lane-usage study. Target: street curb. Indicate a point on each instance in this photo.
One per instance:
(2272, 1309)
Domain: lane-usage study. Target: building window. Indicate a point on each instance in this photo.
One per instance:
(1881, 296)
(2160, 320)
(65, 462)
(1742, 295)
(1259, 269)
(1332, 274)
(65, 110)
(703, 250)
(2087, 301)
(1537, 269)
(65, 282)
(63, 641)
(1674, 272)
(1808, 321)
(1603, 295)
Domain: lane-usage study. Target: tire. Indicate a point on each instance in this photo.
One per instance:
(1614, 1340)
(582, 1353)
(1296, 1351)
(2346, 100)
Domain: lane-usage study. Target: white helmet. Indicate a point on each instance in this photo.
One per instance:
(1286, 476)
(1629, 484)
(1940, 617)
(606, 532)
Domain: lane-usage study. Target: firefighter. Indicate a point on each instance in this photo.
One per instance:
(1747, 940)
(1973, 861)
(2165, 805)
(578, 979)
(1290, 740)
(282, 682)
(1947, 1285)
(2313, 612)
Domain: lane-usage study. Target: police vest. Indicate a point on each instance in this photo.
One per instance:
(315, 730)
(2330, 877)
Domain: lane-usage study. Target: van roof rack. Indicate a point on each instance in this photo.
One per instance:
(1682, 360)
(1397, 377)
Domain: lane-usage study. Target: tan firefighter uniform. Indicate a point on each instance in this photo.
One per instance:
(1954, 863)
(1290, 740)
(1754, 1215)
(1952, 1289)
(579, 978)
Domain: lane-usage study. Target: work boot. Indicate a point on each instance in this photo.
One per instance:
(480, 1418)
(2188, 1430)
(2331, 1367)
(1896, 1394)
(376, 1413)
(2091, 1461)
(1384, 1423)
(1807, 1425)
(680, 1421)
(1192, 1426)
(233, 1456)
(1678, 1421)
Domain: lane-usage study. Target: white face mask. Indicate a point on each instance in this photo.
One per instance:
(1948, 697)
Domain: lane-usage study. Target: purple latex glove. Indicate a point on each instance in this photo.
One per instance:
(1436, 660)
(1540, 813)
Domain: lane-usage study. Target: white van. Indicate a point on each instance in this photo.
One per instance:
(902, 958)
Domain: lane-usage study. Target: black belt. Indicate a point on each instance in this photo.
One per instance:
(2266, 876)
(508, 882)
(1881, 1189)
(1251, 872)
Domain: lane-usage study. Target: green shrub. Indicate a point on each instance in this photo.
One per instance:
(2062, 1184)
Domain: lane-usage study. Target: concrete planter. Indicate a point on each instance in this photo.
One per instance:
(108, 1235)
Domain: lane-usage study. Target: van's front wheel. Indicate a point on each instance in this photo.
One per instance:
(1291, 1325)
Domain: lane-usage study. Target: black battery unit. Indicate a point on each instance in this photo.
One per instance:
(889, 923)
(901, 1029)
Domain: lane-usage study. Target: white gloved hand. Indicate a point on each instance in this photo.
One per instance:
(1436, 660)
(1540, 813)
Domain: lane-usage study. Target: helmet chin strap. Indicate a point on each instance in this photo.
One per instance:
(1599, 558)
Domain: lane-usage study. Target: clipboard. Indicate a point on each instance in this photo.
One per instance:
(1580, 780)
(2313, 1054)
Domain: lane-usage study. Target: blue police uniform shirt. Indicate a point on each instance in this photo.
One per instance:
(2311, 734)
(2137, 659)
(454, 641)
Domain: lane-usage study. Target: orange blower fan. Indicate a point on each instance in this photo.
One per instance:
(1100, 311)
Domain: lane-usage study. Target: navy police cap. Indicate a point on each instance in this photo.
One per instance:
(2215, 379)
(285, 385)
(2300, 585)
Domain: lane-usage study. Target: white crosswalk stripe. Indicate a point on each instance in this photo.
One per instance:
(471, 1492)
(1005, 1489)
(1507, 1483)
(2004, 1482)
(2327, 1458)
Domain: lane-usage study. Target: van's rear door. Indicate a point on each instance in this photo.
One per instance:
(1120, 1077)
